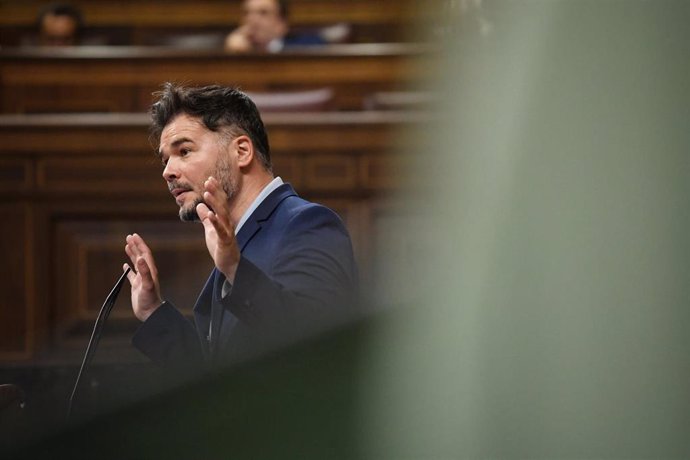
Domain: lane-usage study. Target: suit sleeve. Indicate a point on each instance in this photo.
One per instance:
(169, 339)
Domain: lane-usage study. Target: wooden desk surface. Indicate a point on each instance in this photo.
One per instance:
(42, 134)
(121, 79)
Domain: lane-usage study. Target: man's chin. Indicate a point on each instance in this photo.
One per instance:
(189, 214)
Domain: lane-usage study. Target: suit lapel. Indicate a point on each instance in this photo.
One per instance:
(202, 310)
(252, 226)
(209, 307)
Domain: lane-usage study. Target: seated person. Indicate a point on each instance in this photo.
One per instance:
(264, 29)
(59, 24)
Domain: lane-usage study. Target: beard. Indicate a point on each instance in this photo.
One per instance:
(228, 182)
(188, 213)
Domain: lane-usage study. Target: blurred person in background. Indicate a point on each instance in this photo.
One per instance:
(59, 24)
(265, 29)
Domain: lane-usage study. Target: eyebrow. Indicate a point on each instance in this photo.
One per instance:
(174, 144)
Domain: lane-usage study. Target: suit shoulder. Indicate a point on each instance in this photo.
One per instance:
(300, 210)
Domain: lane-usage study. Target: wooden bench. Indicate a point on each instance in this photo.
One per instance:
(121, 79)
(133, 22)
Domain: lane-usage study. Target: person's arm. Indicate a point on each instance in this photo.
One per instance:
(313, 269)
(238, 41)
(168, 339)
(165, 335)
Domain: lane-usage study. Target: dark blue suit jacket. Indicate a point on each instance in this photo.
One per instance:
(304, 39)
(296, 267)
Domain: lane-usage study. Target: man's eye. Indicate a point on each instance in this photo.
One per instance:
(184, 152)
(164, 162)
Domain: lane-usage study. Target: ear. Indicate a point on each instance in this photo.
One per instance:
(245, 150)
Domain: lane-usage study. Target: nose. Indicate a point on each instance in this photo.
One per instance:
(170, 172)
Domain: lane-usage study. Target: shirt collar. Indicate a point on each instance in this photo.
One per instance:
(267, 190)
(276, 45)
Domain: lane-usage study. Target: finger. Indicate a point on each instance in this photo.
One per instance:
(202, 211)
(211, 183)
(131, 275)
(216, 198)
(140, 244)
(133, 246)
(206, 217)
(222, 229)
(142, 250)
(133, 252)
(130, 248)
(214, 195)
(130, 253)
(212, 224)
(147, 280)
(220, 215)
(218, 206)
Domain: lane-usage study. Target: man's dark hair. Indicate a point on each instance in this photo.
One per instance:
(218, 107)
(282, 8)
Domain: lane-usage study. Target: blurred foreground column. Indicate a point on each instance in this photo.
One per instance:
(548, 307)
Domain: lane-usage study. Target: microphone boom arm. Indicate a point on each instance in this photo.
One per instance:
(96, 334)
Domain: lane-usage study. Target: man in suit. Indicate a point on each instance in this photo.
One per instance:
(281, 262)
(59, 24)
(265, 29)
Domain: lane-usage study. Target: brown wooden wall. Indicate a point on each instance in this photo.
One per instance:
(121, 79)
(73, 186)
(162, 13)
(134, 21)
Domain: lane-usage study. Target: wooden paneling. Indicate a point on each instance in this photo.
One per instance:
(184, 13)
(106, 154)
(99, 175)
(289, 167)
(385, 171)
(59, 99)
(74, 135)
(76, 185)
(89, 258)
(335, 172)
(352, 212)
(15, 174)
(122, 79)
(17, 284)
(131, 22)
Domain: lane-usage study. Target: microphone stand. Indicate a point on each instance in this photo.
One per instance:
(96, 335)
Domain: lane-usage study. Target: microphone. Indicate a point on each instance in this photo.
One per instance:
(10, 395)
(96, 335)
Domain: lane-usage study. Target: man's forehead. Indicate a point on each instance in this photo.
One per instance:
(181, 127)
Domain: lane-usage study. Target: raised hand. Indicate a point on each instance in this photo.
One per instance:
(146, 297)
(219, 231)
(238, 41)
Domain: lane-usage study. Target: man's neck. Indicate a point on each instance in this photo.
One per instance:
(250, 188)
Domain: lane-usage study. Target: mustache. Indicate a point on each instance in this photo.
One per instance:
(180, 185)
